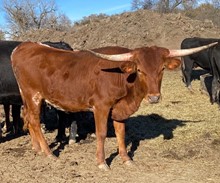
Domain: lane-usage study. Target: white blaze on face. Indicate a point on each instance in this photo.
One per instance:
(37, 98)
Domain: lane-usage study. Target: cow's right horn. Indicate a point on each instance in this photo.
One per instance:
(118, 57)
(185, 52)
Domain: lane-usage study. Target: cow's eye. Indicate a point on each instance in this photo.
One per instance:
(141, 72)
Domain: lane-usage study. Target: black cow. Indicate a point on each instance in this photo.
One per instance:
(201, 59)
(9, 92)
(215, 69)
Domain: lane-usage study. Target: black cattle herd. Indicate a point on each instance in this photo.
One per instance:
(208, 60)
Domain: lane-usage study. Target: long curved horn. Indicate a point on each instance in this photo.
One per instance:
(118, 57)
(184, 52)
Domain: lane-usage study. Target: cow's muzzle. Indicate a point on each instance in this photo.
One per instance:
(153, 99)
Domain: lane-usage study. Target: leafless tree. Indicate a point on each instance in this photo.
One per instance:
(25, 15)
(189, 4)
(168, 6)
(163, 6)
(142, 4)
(216, 3)
(205, 11)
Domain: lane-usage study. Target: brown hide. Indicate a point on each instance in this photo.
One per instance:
(77, 81)
(70, 81)
(131, 102)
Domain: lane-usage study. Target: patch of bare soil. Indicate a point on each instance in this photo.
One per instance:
(176, 140)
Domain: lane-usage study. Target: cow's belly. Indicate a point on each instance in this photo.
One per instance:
(70, 106)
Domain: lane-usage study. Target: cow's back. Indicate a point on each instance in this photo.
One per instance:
(78, 78)
(9, 92)
(112, 50)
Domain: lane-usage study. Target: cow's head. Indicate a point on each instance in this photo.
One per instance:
(151, 62)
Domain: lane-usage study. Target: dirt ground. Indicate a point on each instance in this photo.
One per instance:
(175, 141)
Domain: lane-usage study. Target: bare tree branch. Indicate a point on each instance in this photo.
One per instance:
(25, 15)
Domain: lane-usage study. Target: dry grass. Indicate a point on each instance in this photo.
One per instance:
(182, 126)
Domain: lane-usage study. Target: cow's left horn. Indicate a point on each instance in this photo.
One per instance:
(184, 52)
(118, 57)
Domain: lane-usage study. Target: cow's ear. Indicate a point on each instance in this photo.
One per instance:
(172, 63)
(128, 67)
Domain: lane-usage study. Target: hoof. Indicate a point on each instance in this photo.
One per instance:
(129, 163)
(36, 150)
(93, 135)
(191, 90)
(104, 167)
(40, 153)
(204, 92)
(52, 157)
(71, 141)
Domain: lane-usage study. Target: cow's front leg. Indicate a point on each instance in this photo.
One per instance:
(187, 67)
(101, 133)
(120, 135)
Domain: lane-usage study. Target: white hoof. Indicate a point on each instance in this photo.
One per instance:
(129, 163)
(104, 167)
(71, 141)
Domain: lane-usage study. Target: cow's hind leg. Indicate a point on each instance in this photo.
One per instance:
(120, 135)
(215, 91)
(17, 123)
(61, 135)
(32, 109)
(9, 127)
(36, 127)
(72, 132)
(34, 141)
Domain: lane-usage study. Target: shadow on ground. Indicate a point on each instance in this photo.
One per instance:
(144, 127)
